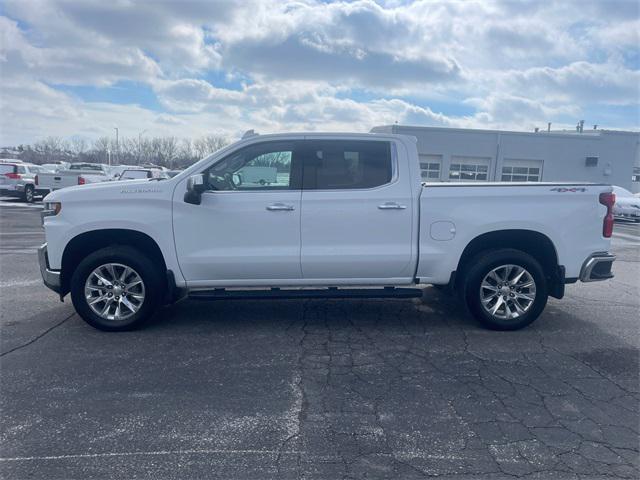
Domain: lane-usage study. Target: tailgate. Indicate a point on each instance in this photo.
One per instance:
(55, 181)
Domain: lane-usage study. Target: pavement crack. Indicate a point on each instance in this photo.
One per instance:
(38, 337)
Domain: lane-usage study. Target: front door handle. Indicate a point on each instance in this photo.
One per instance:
(280, 206)
(391, 206)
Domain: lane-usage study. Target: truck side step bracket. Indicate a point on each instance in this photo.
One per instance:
(331, 292)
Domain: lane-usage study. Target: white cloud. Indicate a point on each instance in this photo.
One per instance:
(308, 64)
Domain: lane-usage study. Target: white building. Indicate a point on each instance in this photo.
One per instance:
(454, 154)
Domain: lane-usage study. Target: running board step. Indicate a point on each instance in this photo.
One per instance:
(332, 292)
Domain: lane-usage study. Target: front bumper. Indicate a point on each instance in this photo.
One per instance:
(597, 267)
(51, 278)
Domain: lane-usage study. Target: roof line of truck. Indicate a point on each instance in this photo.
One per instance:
(513, 184)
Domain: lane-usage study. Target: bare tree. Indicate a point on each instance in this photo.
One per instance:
(51, 149)
(169, 148)
(78, 145)
(208, 144)
(167, 151)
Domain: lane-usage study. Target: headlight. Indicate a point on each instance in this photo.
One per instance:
(51, 209)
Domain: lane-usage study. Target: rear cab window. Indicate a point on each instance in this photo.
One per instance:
(346, 164)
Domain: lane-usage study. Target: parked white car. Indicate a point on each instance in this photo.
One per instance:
(627, 205)
(352, 213)
(18, 179)
(76, 174)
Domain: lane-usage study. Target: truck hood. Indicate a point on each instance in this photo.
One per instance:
(105, 189)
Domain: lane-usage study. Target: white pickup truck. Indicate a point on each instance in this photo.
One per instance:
(75, 174)
(351, 219)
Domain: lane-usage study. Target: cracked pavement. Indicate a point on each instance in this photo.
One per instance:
(316, 389)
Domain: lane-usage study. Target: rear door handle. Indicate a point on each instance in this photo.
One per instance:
(391, 206)
(280, 206)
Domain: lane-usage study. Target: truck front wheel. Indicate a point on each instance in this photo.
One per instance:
(116, 288)
(505, 289)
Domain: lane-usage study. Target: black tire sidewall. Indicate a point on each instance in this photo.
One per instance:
(151, 276)
(481, 265)
(29, 188)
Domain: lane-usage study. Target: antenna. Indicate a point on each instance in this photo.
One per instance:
(249, 134)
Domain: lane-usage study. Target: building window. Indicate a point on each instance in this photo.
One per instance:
(515, 170)
(469, 169)
(636, 174)
(430, 166)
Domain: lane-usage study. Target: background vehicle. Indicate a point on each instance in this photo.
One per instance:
(55, 167)
(116, 170)
(627, 205)
(258, 175)
(18, 180)
(139, 173)
(76, 174)
(351, 212)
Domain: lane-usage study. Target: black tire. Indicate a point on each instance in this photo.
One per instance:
(29, 194)
(151, 277)
(481, 265)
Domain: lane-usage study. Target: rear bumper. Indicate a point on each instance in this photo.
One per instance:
(51, 278)
(597, 267)
(10, 192)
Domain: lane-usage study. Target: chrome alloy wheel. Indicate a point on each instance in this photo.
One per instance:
(507, 292)
(114, 291)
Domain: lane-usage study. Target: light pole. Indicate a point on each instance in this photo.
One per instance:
(117, 145)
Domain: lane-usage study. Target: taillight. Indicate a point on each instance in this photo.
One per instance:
(608, 199)
(13, 176)
(36, 180)
(81, 181)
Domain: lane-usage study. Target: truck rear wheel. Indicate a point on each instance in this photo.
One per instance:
(29, 194)
(116, 288)
(505, 289)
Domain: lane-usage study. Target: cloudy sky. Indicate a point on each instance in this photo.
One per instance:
(79, 68)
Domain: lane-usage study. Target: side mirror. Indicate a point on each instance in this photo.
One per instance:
(195, 187)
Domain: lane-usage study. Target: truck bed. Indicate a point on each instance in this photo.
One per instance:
(454, 214)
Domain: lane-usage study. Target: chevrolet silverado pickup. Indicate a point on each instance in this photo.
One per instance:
(344, 215)
(76, 174)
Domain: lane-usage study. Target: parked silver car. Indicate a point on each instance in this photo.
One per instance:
(18, 179)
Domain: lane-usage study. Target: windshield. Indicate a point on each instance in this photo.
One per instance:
(134, 174)
(85, 166)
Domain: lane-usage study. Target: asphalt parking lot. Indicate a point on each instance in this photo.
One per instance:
(317, 389)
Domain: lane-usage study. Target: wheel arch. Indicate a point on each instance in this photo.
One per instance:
(85, 243)
(536, 244)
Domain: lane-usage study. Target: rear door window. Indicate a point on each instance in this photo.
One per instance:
(7, 169)
(346, 164)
